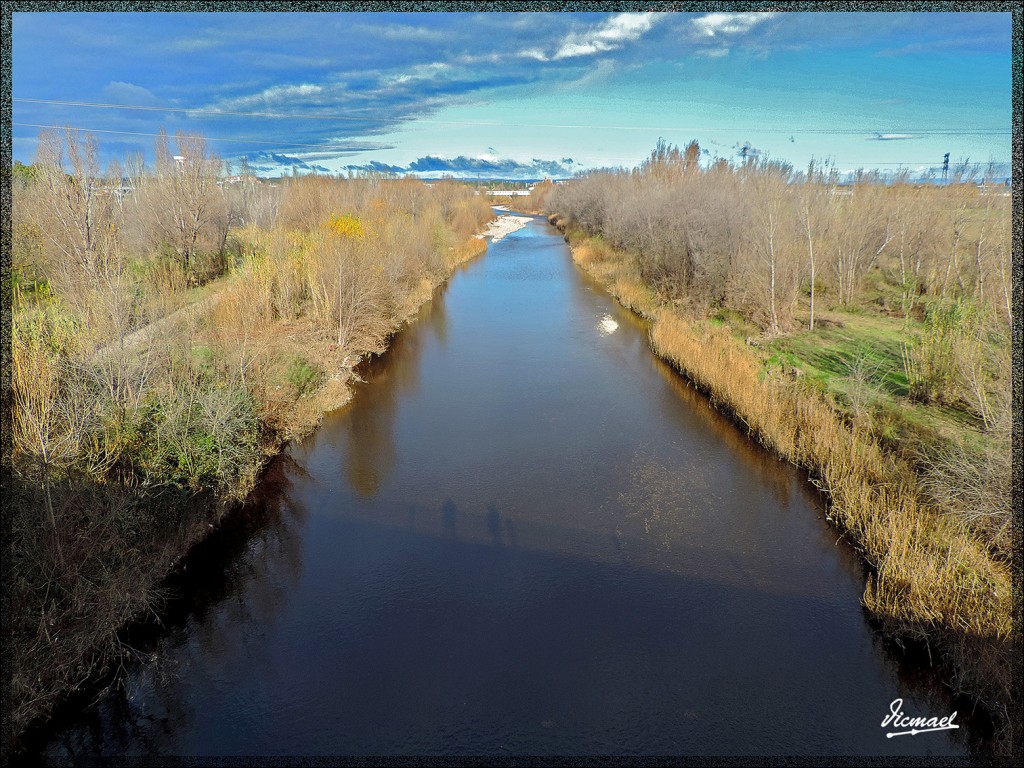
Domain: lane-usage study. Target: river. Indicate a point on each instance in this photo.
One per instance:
(524, 535)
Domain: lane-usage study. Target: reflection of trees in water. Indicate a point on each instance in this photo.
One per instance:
(494, 524)
(370, 451)
(369, 423)
(265, 561)
(766, 468)
(126, 720)
(449, 513)
(234, 582)
(436, 316)
(920, 676)
(660, 497)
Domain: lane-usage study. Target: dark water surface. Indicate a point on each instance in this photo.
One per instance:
(525, 535)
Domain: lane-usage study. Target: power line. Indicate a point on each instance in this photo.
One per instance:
(932, 163)
(281, 143)
(229, 113)
(491, 123)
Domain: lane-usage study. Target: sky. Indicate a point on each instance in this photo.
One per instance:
(520, 95)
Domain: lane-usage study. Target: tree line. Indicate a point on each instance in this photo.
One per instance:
(774, 244)
(760, 236)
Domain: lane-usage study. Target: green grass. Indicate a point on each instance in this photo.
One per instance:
(740, 326)
(306, 377)
(854, 343)
(29, 286)
(202, 355)
(845, 340)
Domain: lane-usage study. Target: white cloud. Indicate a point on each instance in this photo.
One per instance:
(595, 73)
(418, 72)
(120, 92)
(608, 36)
(715, 24)
(263, 59)
(196, 44)
(533, 53)
(400, 32)
(278, 94)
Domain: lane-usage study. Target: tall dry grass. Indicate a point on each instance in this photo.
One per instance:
(928, 570)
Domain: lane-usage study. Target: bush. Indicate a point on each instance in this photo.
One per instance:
(304, 376)
(204, 435)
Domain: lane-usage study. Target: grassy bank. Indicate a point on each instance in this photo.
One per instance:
(934, 580)
(154, 372)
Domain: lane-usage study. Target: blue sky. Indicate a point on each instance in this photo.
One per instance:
(525, 94)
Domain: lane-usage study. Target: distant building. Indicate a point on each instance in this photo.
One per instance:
(119, 191)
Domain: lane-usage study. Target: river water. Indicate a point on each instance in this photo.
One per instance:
(525, 535)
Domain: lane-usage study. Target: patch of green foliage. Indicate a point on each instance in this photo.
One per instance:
(203, 356)
(737, 323)
(306, 377)
(869, 346)
(24, 174)
(29, 287)
(856, 359)
(198, 439)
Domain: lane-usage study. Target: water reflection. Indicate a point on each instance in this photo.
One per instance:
(239, 578)
(540, 541)
(698, 409)
(370, 454)
(448, 514)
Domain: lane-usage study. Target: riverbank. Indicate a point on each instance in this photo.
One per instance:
(931, 582)
(294, 412)
(502, 226)
(67, 634)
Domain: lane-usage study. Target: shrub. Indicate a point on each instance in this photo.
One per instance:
(304, 376)
(203, 435)
(346, 226)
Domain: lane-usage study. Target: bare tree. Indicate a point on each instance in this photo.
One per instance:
(182, 205)
(73, 214)
(988, 230)
(769, 183)
(958, 217)
(665, 161)
(864, 231)
(814, 214)
(51, 408)
(1004, 256)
